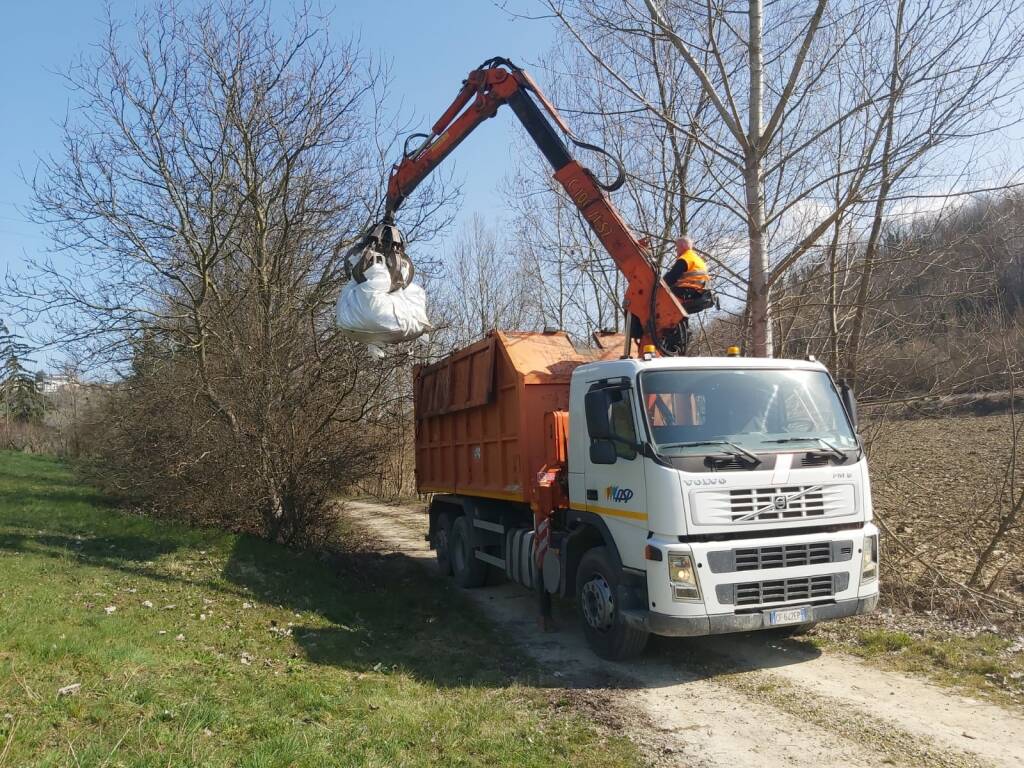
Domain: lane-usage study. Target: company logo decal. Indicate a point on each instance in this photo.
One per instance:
(614, 493)
(781, 502)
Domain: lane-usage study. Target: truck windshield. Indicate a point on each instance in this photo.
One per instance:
(689, 411)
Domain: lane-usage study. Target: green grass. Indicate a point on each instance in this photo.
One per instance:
(251, 655)
(982, 664)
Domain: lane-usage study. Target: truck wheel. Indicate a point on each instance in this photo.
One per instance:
(442, 533)
(608, 635)
(469, 572)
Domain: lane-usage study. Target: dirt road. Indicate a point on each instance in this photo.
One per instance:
(739, 700)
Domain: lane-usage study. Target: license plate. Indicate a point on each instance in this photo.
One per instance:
(788, 616)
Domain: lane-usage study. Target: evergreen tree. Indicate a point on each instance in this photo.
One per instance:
(20, 399)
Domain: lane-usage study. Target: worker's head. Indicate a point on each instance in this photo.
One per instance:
(683, 244)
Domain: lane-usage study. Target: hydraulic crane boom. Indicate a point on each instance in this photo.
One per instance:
(660, 316)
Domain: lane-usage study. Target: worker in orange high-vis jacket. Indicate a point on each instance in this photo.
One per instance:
(688, 278)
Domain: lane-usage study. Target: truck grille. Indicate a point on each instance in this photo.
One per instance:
(789, 503)
(784, 590)
(787, 556)
(760, 503)
(779, 556)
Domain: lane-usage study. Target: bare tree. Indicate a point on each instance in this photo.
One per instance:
(482, 286)
(1007, 505)
(578, 285)
(209, 170)
(782, 90)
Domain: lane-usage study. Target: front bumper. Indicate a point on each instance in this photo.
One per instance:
(694, 626)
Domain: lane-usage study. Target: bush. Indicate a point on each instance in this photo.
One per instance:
(157, 443)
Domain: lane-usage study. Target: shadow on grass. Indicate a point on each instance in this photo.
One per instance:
(131, 554)
(382, 612)
(107, 551)
(386, 610)
(374, 612)
(361, 610)
(13, 500)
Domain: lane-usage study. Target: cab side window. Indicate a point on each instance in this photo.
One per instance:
(620, 418)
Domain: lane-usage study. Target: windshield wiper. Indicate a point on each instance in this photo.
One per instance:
(736, 449)
(829, 447)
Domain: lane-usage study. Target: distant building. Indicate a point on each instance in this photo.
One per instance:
(49, 383)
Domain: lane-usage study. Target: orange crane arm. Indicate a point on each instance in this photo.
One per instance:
(497, 82)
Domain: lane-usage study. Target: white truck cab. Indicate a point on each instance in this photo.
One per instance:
(735, 489)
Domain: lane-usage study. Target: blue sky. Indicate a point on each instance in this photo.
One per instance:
(431, 45)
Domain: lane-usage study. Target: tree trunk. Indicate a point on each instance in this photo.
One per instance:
(758, 304)
(833, 299)
(871, 249)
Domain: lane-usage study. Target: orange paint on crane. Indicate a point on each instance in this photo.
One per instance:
(482, 423)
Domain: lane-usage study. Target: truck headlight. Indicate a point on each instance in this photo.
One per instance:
(682, 577)
(869, 561)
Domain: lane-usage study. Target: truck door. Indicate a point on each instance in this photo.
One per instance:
(614, 477)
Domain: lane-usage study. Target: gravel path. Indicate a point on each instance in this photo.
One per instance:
(739, 700)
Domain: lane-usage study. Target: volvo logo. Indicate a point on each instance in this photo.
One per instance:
(779, 502)
(706, 481)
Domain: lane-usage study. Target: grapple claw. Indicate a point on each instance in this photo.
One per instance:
(383, 243)
(381, 304)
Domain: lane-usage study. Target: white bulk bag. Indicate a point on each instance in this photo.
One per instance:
(370, 312)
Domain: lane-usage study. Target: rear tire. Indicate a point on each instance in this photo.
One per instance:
(607, 633)
(469, 572)
(442, 534)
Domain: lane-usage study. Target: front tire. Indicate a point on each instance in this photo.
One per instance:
(469, 572)
(597, 586)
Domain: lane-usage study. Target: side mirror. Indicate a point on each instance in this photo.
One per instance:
(596, 405)
(849, 400)
(603, 452)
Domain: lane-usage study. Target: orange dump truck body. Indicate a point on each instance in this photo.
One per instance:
(480, 413)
